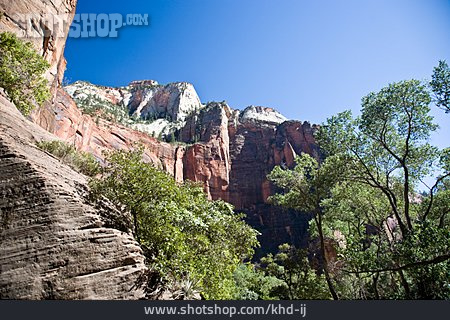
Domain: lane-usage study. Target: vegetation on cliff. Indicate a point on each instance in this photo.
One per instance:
(21, 73)
(185, 235)
(82, 162)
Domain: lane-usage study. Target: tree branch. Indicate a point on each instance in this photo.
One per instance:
(435, 260)
(438, 180)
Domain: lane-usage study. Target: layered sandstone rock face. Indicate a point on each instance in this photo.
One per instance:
(229, 151)
(54, 244)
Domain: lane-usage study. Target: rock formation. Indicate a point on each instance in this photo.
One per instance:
(54, 244)
(95, 135)
(45, 24)
(229, 151)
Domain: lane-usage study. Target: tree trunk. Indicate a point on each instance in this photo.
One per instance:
(405, 284)
(375, 286)
(318, 220)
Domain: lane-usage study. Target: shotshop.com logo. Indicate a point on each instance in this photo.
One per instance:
(84, 25)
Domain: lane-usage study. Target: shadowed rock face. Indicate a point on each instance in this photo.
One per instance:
(255, 150)
(54, 244)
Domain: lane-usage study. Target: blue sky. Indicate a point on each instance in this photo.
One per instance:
(307, 59)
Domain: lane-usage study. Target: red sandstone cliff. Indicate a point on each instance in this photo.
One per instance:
(229, 151)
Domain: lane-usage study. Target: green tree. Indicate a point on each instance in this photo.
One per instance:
(440, 85)
(388, 145)
(394, 241)
(184, 234)
(252, 283)
(171, 138)
(386, 154)
(21, 73)
(304, 188)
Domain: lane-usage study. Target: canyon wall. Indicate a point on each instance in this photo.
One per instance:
(44, 23)
(55, 244)
(229, 151)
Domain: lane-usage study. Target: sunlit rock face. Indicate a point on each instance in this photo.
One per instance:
(143, 105)
(174, 101)
(46, 25)
(229, 151)
(262, 115)
(95, 135)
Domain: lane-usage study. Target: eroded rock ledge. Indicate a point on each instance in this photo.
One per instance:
(53, 243)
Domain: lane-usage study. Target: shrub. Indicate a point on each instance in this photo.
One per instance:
(253, 284)
(185, 235)
(21, 70)
(82, 162)
(300, 281)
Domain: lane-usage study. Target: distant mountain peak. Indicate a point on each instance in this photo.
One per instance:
(262, 114)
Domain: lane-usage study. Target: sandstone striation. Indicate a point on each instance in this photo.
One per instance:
(54, 244)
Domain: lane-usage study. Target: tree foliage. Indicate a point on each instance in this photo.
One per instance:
(299, 280)
(304, 187)
(286, 275)
(440, 85)
(253, 283)
(21, 73)
(394, 240)
(184, 234)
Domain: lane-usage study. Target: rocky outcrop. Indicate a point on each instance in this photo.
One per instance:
(261, 115)
(44, 23)
(143, 105)
(208, 161)
(54, 244)
(96, 135)
(174, 101)
(255, 149)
